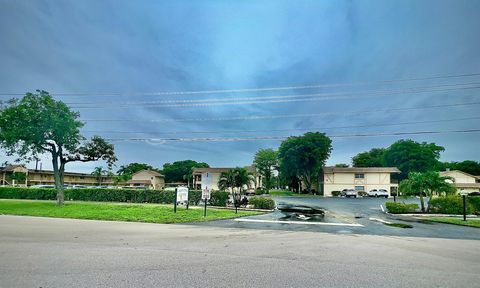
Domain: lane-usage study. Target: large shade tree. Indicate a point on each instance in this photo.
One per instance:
(467, 166)
(266, 161)
(304, 156)
(372, 158)
(38, 124)
(410, 156)
(180, 171)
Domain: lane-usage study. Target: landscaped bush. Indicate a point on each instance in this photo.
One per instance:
(262, 202)
(449, 205)
(397, 207)
(475, 203)
(336, 193)
(97, 194)
(260, 191)
(219, 198)
(362, 193)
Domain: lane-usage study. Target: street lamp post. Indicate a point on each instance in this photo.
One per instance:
(464, 196)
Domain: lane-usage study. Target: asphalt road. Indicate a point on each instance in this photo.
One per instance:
(355, 211)
(48, 252)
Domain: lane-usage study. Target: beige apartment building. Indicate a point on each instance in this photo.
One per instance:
(464, 182)
(360, 179)
(207, 178)
(148, 179)
(45, 177)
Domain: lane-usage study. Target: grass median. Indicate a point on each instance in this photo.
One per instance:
(150, 213)
(471, 222)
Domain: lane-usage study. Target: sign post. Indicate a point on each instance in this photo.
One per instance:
(175, 201)
(205, 197)
(182, 195)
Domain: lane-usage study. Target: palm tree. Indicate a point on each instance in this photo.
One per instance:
(98, 172)
(235, 179)
(428, 183)
(227, 180)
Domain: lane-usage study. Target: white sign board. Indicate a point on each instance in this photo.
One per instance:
(182, 194)
(206, 194)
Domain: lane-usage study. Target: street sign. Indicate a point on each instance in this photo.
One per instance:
(206, 194)
(182, 195)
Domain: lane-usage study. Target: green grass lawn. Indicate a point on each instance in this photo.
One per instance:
(152, 213)
(472, 222)
(278, 193)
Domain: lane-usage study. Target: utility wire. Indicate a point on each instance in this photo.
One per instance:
(220, 101)
(283, 116)
(163, 140)
(280, 130)
(242, 90)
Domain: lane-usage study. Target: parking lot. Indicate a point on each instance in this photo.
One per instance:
(350, 216)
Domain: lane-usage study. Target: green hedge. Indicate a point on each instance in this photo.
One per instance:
(260, 191)
(452, 205)
(106, 195)
(336, 193)
(397, 207)
(262, 202)
(475, 202)
(362, 193)
(219, 198)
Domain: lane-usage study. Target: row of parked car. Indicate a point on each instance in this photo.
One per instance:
(372, 193)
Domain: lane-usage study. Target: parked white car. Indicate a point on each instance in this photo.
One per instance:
(349, 193)
(378, 193)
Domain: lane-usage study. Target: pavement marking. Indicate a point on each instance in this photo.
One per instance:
(381, 206)
(379, 220)
(298, 222)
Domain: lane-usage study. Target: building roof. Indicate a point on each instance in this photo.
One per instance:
(220, 170)
(361, 170)
(11, 167)
(139, 182)
(445, 173)
(31, 171)
(151, 172)
(466, 185)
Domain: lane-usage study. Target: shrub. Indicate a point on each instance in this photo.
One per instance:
(260, 191)
(219, 198)
(98, 194)
(262, 202)
(475, 202)
(397, 207)
(336, 193)
(362, 193)
(449, 205)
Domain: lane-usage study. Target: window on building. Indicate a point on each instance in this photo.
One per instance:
(82, 177)
(359, 175)
(360, 188)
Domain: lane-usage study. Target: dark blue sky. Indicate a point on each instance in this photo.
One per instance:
(130, 47)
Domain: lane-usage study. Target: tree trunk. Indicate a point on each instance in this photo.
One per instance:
(58, 177)
(422, 205)
(429, 200)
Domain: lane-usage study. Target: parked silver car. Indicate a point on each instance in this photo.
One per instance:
(349, 193)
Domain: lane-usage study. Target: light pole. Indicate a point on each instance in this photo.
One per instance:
(464, 196)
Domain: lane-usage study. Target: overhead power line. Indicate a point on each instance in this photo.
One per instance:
(276, 98)
(280, 130)
(243, 90)
(285, 137)
(283, 116)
